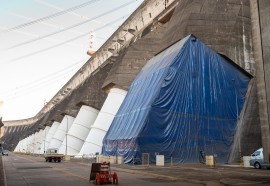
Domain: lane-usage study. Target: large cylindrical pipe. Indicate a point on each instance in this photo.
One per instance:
(61, 132)
(93, 142)
(78, 131)
(18, 147)
(44, 143)
(51, 132)
(24, 144)
(21, 149)
(38, 141)
(34, 142)
(30, 143)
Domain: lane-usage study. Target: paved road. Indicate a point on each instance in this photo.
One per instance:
(2, 177)
(24, 170)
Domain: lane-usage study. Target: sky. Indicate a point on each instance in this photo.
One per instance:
(43, 43)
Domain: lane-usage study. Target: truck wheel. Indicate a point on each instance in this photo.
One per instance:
(50, 159)
(257, 165)
(59, 160)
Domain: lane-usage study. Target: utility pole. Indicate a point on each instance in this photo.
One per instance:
(45, 140)
(66, 136)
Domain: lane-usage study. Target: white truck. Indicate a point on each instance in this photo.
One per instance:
(256, 160)
(52, 155)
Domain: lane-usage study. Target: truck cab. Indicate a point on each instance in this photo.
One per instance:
(51, 151)
(256, 159)
(51, 154)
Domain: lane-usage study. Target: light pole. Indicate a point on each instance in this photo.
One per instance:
(34, 143)
(44, 140)
(26, 151)
(66, 136)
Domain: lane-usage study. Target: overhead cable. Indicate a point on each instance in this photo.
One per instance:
(39, 87)
(31, 19)
(47, 79)
(62, 43)
(51, 16)
(72, 26)
(58, 8)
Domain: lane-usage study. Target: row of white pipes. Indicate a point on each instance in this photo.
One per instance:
(76, 136)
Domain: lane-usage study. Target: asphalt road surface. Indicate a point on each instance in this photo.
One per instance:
(21, 170)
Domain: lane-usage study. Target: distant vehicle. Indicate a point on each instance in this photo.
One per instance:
(5, 152)
(52, 155)
(256, 159)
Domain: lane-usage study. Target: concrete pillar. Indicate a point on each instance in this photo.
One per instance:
(261, 78)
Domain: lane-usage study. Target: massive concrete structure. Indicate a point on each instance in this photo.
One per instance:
(238, 29)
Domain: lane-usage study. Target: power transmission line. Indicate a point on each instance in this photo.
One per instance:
(44, 23)
(39, 86)
(72, 26)
(60, 44)
(51, 16)
(51, 39)
(48, 78)
(61, 9)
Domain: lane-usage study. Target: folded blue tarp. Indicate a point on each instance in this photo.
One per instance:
(185, 100)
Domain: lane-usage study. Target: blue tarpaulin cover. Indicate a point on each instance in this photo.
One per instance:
(185, 100)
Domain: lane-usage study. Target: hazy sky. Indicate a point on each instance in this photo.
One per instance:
(44, 42)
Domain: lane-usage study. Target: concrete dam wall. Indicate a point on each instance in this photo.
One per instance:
(228, 27)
